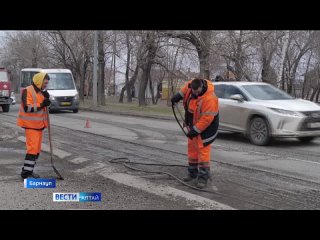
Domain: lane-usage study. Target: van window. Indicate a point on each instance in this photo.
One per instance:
(60, 81)
(3, 77)
(26, 78)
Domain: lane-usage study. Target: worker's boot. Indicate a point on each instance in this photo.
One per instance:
(28, 166)
(192, 173)
(27, 174)
(203, 176)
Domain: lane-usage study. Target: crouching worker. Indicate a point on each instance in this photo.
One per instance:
(33, 118)
(202, 120)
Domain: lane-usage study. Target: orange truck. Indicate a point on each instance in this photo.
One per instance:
(5, 90)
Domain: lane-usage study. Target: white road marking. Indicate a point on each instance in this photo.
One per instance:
(273, 155)
(79, 160)
(57, 152)
(168, 192)
(300, 160)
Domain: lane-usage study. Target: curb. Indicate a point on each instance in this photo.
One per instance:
(122, 113)
(127, 114)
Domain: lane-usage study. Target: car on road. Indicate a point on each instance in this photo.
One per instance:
(13, 97)
(261, 112)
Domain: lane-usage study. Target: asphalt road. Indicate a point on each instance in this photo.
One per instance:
(284, 175)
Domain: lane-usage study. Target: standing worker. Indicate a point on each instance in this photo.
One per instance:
(33, 118)
(202, 120)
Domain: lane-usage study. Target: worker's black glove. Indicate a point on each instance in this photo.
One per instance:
(192, 133)
(46, 94)
(176, 98)
(46, 102)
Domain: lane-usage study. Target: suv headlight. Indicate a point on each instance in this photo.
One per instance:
(76, 97)
(52, 98)
(286, 112)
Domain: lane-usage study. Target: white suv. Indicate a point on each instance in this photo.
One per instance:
(261, 111)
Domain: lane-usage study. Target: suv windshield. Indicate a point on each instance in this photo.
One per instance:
(266, 92)
(3, 77)
(60, 81)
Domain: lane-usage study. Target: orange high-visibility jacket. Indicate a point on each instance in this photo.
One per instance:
(205, 111)
(34, 117)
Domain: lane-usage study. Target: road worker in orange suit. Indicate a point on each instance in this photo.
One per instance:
(202, 120)
(33, 118)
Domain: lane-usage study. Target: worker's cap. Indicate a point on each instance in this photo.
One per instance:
(39, 78)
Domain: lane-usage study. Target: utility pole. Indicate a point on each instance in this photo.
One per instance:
(95, 68)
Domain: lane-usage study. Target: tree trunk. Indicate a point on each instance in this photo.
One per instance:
(158, 96)
(114, 63)
(268, 46)
(143, 84)
(34, 63)
(101, 66)
(317, 97)
(129, 91)
(204, 54)
(83, 77)
(204, 64)
(146, 68)
(78, 74)
(266, 72)
(126, 86)
(283, 55)
(238, 57)
(308, 93)
(151, 89)
(130, 84)
(122, 93)
(314, 91)
(304, 82)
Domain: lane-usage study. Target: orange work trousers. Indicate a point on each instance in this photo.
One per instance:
(33, 141)
(197, 153)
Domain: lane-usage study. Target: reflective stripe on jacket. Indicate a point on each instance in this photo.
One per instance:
(37, 119)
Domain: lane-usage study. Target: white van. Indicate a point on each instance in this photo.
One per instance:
(61, 87)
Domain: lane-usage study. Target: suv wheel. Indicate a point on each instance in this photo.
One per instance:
(259, 131)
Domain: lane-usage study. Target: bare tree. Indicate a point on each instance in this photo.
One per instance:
(129, 84)
(236, 48)
(174, 52)
(201, 40)
(70, 49)
(23, 49)
(300, 43)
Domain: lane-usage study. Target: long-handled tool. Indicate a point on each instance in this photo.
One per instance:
(51, 151)
(175, 116)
